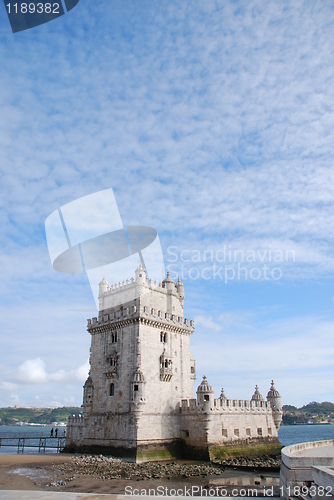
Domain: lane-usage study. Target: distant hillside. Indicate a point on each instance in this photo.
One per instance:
(10, 416)
(312, 412)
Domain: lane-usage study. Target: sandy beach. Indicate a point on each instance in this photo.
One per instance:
(89, 474)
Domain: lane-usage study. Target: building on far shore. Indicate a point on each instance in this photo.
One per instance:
(138, 398)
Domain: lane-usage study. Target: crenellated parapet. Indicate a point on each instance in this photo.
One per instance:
(141, 313)
(256, 405)
(171, 292)
(75, 421)
(234, 406)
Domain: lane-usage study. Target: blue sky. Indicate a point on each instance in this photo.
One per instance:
(213, 123)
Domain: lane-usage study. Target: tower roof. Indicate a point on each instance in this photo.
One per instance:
(273, 392)
(222, 394)
(204, 386)
(138, 376)
(257, 396)
(141, 268)
(104, 281)
(89, 382)
(168, 279)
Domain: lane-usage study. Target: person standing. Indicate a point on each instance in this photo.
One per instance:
(51, 433)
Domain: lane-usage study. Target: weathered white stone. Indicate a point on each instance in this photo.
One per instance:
(139, 391)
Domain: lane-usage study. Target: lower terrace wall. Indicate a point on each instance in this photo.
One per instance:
(230, 428)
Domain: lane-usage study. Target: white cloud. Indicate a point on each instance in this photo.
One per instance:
(33, 371)
(8, 386)
(207, 323)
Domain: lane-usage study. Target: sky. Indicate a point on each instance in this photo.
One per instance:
(213, 123)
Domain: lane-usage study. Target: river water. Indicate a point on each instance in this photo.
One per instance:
(288, 434)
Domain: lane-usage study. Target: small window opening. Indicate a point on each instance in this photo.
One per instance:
(112, 390)
(206, 397)
(135, 388)
(163, 337)
(259, 431)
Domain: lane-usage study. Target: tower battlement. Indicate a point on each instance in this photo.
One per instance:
(167, 295)
(121, 313)
(232, 405)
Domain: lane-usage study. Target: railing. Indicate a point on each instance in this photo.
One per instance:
(56, 443)
(166, 374)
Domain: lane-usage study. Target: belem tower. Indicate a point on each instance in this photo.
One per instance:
(138, 398)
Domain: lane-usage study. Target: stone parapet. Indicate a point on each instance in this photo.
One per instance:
(123, 316)
(306, 464)
(235, 406)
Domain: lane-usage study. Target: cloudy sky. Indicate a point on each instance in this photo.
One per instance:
(213, 123)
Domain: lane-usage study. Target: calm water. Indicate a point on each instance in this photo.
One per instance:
(16, 431)
(288, 434)
(292, 434)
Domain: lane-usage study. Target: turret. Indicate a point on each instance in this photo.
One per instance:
(274, 398)
(180, 290)
(169, 283)
(140, 275)
(257, 396)
(205, 394)
(137, 387)
(222, 395)
(103, 286)
(88, 397)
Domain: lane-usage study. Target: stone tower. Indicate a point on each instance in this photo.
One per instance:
(138, 398)
(141, 369)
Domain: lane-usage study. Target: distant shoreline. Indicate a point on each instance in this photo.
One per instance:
(307, 423)
(32, 424)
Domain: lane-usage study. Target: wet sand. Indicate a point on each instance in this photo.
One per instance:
(72, 473)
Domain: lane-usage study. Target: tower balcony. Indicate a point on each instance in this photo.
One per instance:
(166, 374)
(112, 370)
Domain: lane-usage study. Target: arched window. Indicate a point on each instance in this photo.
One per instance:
(111, 390)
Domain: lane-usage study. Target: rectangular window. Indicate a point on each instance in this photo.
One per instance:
(224, 433)
(259, 431)
(192, 369)
(135, 388)
(236, 432)
(269, 431)
(248, 432)
(206, 397)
